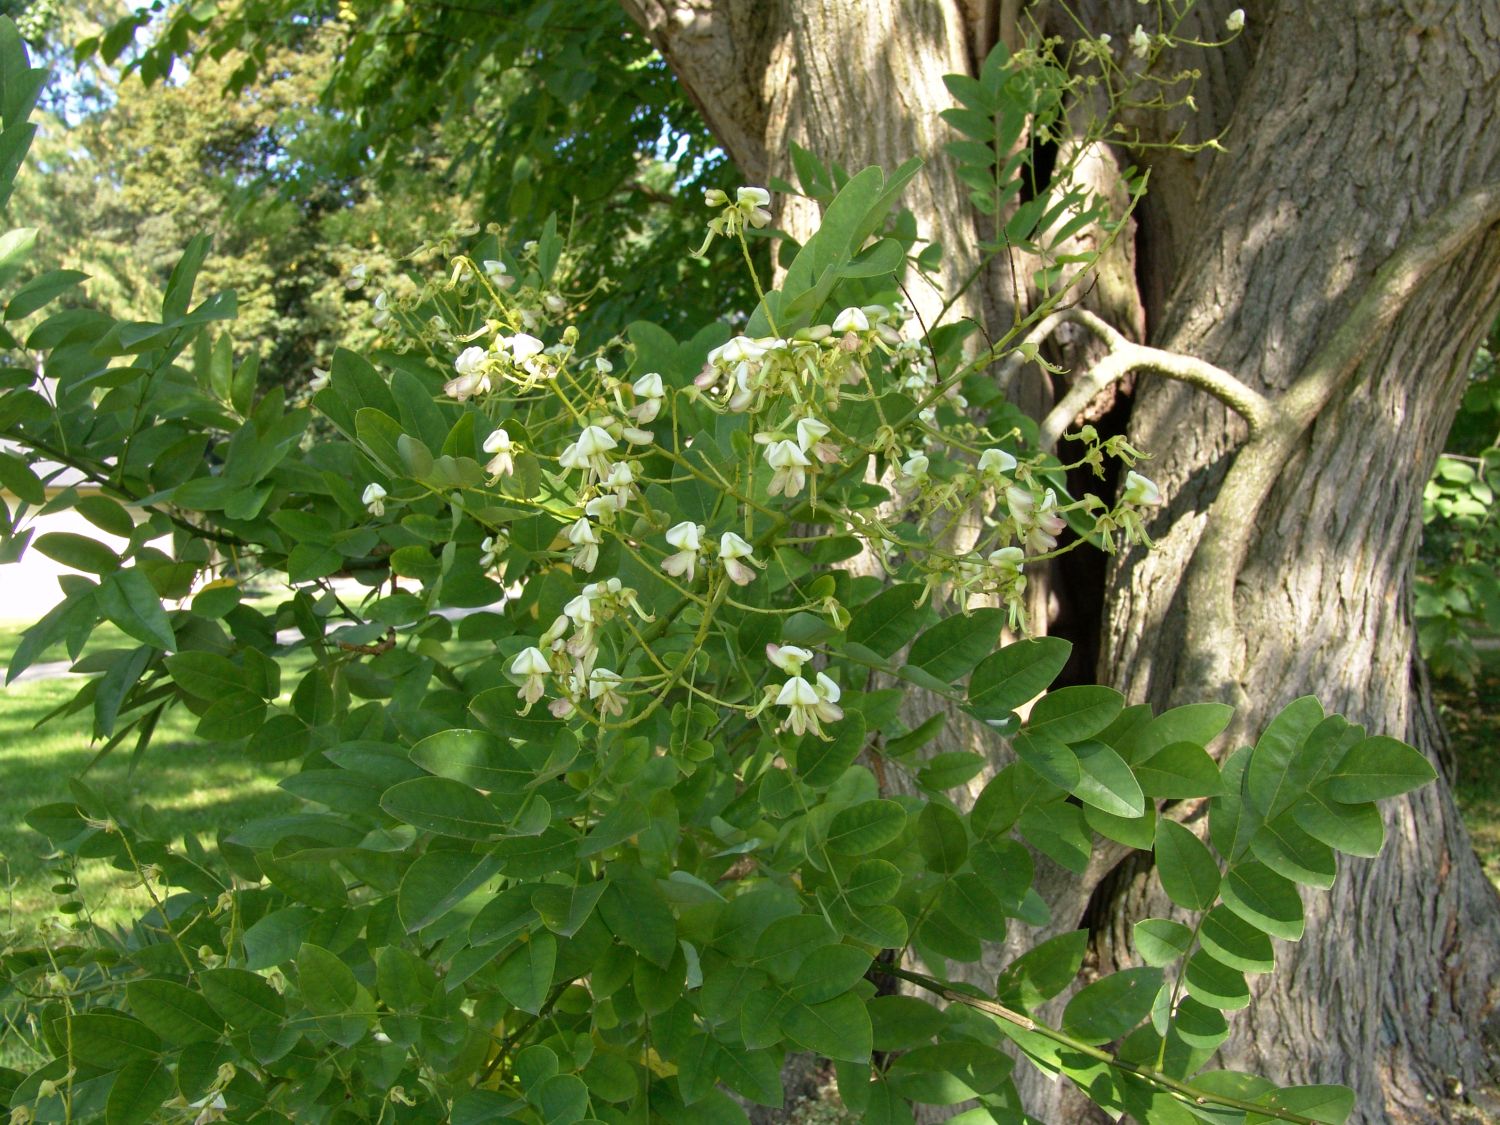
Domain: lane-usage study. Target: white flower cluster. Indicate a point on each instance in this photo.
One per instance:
(565, 434)
(521, 358)
(747, 208)
(809, 704)
(576, 671)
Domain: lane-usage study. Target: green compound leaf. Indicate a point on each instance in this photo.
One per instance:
(863, 828)
(1111, 1006)
(890, 620)
(1378, 768)
(952, 647)
(1235, 942)
(1106, 783)
(1331, 1104)
(1072, 714)
(1188, 871)
(1215, 984)
(175, 1012)
(1041, 973)
(244, 999)
(941, 838)
(444, 806)
(1265, 899)
(130, 601)
(139, 1091)
(1161, 941)
(525, 976)
(837, 1028)
(1016, 674)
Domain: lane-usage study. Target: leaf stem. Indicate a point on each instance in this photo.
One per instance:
(1183, 1090)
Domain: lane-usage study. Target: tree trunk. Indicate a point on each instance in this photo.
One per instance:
(1323, 178)
(1344, 126)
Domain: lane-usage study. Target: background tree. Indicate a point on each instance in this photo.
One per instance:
(1300, 258)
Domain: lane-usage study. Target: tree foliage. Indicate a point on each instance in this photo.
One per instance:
(629, 901)
(1457, 595)
(526, 110)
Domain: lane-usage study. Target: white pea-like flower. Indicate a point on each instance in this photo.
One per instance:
(382, 315)
(603, 507)
(604, 690)
(1048, 519)
(585, 542)
(621, 480)
(1235, 21)
(810, 706)
(522, 346)
(687, 537)
(580, 609)
(531, 665)
(552, 638)
(555, 303)
(492, 546)
(752, 202)
(851, 320)
(802, 699)
(1008, 561)
(1140, 492)
(714, 197)
(914, 470)
(589, 451)
(495, 270)
(473, 374)
(810, 435)
(733, 549)
(502, 464)
(789, 658)
(739, 349)
(649, 392)
(1021, 502)
(373, 498)
(791, 465)
(356, 278)
(1140, 42)
(995, 463)
(319, 380)
(810, 431)
(1047, 525)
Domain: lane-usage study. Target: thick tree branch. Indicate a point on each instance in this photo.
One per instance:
(1209, 586)
(1125, 357)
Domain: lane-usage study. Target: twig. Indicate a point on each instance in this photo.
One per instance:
(1183, 1090)
(1124, 357)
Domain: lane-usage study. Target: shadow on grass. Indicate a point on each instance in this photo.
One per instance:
(195, 787)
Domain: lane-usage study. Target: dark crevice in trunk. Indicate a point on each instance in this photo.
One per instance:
(1081, 576)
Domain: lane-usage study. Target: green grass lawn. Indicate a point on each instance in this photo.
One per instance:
(197, 787)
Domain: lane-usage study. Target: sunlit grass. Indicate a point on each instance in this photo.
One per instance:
(196, 787)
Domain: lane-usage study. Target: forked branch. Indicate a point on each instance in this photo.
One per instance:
(1123, 358)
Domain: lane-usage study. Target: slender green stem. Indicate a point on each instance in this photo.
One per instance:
(1183, 1090)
